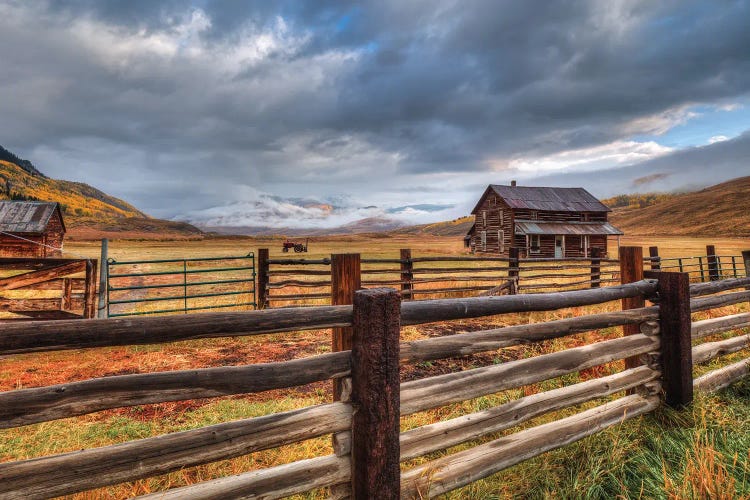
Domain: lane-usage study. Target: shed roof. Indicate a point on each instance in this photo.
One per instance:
(556, 199)
(577, 228)
(27, 216)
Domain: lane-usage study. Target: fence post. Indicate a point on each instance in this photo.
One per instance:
(746, 260)
(596, 267)
(674, 328)
(631, 270)
(713, 263)
(653, 252)
(514, 268)
(89, 296)
(262, 288)
(407, 266)
(102, 307)
(345, 280)
(375, 394)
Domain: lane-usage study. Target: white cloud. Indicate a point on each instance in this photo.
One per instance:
(717, 138)
(660, 123)
(596, 157)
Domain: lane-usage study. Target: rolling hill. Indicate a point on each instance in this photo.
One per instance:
(720, 210)
(88, 211)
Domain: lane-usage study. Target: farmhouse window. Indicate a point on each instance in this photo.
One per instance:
(500, 216)
(501, 240)
(533, 215)
(535, 243)
(483, 236)
(484, 217)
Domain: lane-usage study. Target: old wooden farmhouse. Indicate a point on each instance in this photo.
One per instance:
(540, 222)
(31, 229)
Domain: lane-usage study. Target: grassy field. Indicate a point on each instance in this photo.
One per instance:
(701, 453)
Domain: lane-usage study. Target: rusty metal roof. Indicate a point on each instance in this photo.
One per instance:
(577, 228)
(26, 216)
(547, 198)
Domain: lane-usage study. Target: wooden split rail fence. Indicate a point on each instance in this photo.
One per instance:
(368, 446)
(290, 282)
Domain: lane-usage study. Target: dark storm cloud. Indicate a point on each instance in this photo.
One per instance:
(199, 99)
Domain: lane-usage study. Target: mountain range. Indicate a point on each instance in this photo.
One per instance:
(723, 209)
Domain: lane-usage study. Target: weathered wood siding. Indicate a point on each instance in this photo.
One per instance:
(493, 216)
(12, 246)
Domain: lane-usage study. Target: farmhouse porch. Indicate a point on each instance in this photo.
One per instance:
(560, 240)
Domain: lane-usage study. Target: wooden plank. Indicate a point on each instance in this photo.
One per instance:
(723, 377)
(711, 287)
(272, 483)
(712, 326)
(57, 284)
(419, 395)
(713, 263)
(654, 260)
(459, 469)
(710, 350)
(443, 435)
(429, 311)
(89, 296)
(67, 303)
(345, 280)
(674, 326)
(28, 406)
(407, 272)
(60, 335)
(33, 277)
(31, 305)
(375, 394)
(465, 344)
(262, 278)
(96, 467)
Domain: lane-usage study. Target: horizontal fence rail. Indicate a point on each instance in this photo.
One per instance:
(662, 347)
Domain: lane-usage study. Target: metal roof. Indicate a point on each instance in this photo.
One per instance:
(577, 228)
(26, 216)
(547, 198)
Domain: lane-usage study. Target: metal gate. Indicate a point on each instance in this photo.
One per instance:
(167, 286)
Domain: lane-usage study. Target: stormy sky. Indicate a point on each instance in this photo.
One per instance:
(264, 113)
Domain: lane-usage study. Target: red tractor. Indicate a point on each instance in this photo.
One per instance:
(298, 247)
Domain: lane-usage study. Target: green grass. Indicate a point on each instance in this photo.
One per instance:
(701, 452)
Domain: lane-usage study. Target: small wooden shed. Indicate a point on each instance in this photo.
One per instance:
(549, 222)
(31, 229)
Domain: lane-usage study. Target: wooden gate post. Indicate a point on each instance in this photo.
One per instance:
(375, 394)
(407, 275)
(102, 307)
(345, 280)
(713, 263)
(746, 260)
(262, 288)
(514, 268)
(674, 328)
(631, 270)
(653, 252)
(596, 267)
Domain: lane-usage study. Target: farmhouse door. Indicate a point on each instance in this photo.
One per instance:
(559, 250)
